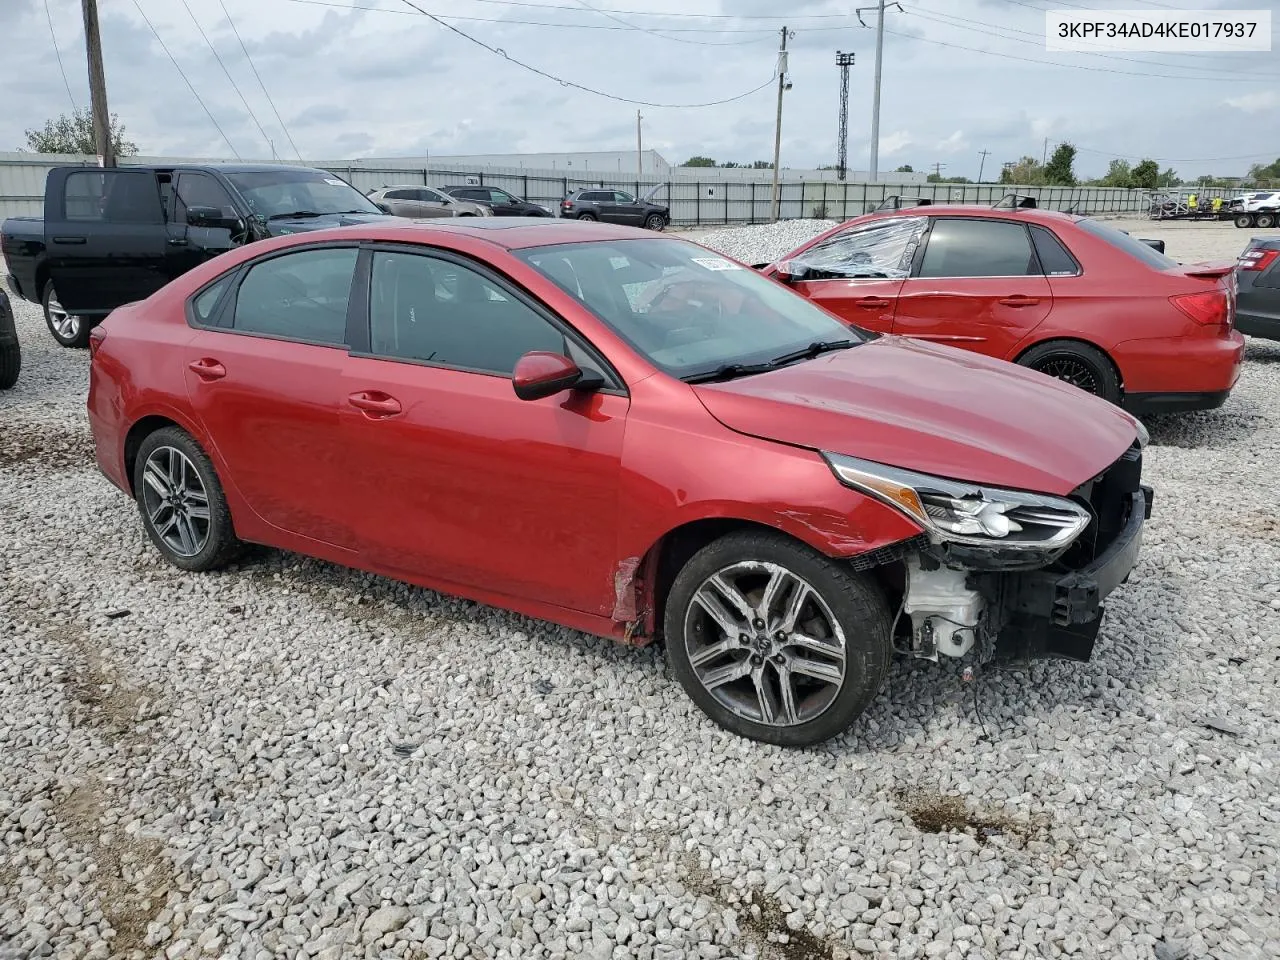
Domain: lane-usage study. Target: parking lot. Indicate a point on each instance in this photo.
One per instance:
(293, 759)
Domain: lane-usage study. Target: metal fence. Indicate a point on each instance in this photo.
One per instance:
(692, 202)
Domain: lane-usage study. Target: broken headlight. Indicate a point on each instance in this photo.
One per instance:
(972, 514)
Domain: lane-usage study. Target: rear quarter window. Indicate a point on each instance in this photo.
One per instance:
(1055, 259)
(1126, 244)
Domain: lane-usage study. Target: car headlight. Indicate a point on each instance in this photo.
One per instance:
(1143, 436)
(965, 513)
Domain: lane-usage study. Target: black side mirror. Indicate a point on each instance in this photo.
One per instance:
(212, 217)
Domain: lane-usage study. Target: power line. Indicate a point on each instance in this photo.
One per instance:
(235, 86)
(768, 33)
(663, 36)
(58, 53)
(258, 77)
(689, 16)
(1122, 156)
(569, 83)
(211, 117)
(1054, 63)
(981, 26)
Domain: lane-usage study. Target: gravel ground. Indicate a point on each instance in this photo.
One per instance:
(292, 759)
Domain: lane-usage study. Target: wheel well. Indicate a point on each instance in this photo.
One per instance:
(133, 442)
(1076, 340)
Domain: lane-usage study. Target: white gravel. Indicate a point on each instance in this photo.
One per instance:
(291, 759)
(763, 243)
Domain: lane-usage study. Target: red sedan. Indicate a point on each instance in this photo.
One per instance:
(626, 435)
(1069, 296)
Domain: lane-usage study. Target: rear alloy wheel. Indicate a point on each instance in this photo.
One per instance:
(655, 221)
(180, 498)
(776, 642)
(1078, 364)
(586, 216)
(68, 329)
(1244, 220)
(1265, 220)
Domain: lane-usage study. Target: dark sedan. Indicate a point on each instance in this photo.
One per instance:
(615, 206)
(1258, 288)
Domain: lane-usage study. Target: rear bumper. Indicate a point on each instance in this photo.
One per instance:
(1057, 615)
(1144, 404)
(1199, 366)
(1256, 325)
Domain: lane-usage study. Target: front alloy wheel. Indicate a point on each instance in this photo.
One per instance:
(775, 642)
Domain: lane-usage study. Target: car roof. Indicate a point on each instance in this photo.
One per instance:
(406, 186)
(1035, 215)
(511, 233)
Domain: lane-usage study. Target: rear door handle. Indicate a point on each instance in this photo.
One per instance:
(75, 240)
(1019, 301)
(177, 242)
(872, 303)
(207, 369)
(375, 404)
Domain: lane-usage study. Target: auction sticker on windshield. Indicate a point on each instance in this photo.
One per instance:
(1158, 31)
(715, 263)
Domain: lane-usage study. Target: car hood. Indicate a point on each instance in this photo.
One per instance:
(279, 228)
(933, 409)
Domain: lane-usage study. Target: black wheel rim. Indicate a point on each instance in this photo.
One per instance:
(1073, 370)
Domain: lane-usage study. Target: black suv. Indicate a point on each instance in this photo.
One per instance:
(614, 206)
(502, 203)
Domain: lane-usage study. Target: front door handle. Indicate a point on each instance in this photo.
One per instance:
(375, 404)
(74, 240)
(177, 241)
(207, 369)
(872, 303)
(1019, 301)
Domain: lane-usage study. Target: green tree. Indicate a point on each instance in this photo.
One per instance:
(73, 133)
(699, 162)
(1119, 174)
(905, 168)
(1147, 175)
(1026, 172)
(1169, 177)
(1058, 171)
(1269, 171)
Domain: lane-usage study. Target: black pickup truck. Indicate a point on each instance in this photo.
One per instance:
(110, 237)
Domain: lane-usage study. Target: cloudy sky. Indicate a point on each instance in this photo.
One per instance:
(960, 76)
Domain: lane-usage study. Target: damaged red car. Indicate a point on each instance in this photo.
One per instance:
(626, 435)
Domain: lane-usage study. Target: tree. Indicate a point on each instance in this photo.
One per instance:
(1146, 175)
(73, 133)
(1026, 172)
(762, 165)
(939, 178)
(699, 162)
(1119, 174)
(1058, 172)
(1169, 178)
(905, 168)
(1270, 171)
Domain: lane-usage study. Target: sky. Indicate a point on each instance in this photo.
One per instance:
(959, 77)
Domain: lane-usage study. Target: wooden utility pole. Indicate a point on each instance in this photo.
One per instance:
(97, 83)
(777, 130)
(984, 154)
(639, 153)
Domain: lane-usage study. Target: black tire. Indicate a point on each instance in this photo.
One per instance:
(219, 544)
(1265, 220)
(857, 605)
(10, 364)
(1244, 220)
(73, 331)
(1078, 364)
(587, 216)
(655, 221)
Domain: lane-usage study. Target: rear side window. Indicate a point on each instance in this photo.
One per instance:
(1122, 241)
(1055, 259)
(977, 248)
(113, 196)
(298, 296)
(400, 195)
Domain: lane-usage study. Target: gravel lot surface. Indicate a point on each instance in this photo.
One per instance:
(289, 759)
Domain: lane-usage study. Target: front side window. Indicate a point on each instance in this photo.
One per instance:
(620, 197)
(438, 311)
(687, 310)
(431, 196)
(202, 190)
(882, 248)
(113, 196)
(400, 195)
(207, 300)
(298, 296)
(978, 248)
(281, 193)
(501, 196)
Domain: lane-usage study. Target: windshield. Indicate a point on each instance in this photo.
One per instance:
(271, 193)
(1122, 241)
(687, 310)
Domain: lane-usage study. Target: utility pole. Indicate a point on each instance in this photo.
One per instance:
(875, 103)
(97, 83)
(1045, 159)
(639, 153)
(777, 129)
(983, 162)
(937, 170)
(844, 61)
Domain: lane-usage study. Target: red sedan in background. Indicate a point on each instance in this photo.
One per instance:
(1066, 295)
(627, 435)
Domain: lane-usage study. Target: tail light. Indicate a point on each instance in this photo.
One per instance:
(565, 204)
(96, 336)
(1209, 308)
(1257, 259)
